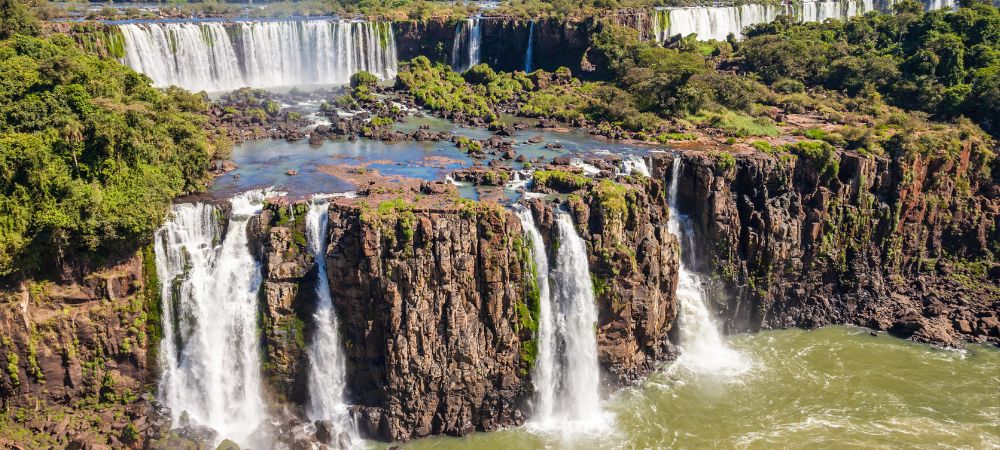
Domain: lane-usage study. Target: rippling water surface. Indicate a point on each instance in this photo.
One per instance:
(836, 387)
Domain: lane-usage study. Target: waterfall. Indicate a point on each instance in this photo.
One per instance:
(703, 349)
(632, 164)
(468, 38)
(717, 22)
(209, 353)
(327, 379)
(220, 56)
(529, 54)
(546, 363)
(567, 392)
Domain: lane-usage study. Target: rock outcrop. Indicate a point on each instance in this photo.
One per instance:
(428, 310)
(633, 263)
(904, 243)
(77, 353)
(286, 296)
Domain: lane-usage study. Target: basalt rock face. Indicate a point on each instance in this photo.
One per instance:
(904, 243)
(287, 298)
(433, 306)
(427, 303)
(504, 41)
(78, 340)
(433, 39)
(634, 265)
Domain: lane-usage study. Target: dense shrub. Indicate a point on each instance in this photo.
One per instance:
(90, 154)
(942, 62)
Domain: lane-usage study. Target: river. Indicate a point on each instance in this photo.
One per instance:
(832, 387)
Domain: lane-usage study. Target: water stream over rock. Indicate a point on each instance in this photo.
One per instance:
(703, 349)
(465, 49)
(530, 53)
(327, 379)
(547, 363)
(717, 22)
(210, 356)
(574, 390)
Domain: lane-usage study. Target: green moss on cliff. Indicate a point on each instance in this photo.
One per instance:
(823, 155)
(12, 361)
(611, 199)
(152, 307)
(529, 309)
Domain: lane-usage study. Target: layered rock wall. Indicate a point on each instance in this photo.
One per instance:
(904, 242)
(428, 310)
(83, 342)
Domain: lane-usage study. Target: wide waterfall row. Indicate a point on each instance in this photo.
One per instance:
(566, 377)
(717, 22)
(210, 355)
(219, 56)
(465, 47)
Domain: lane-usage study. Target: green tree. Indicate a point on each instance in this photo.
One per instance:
(16, 18)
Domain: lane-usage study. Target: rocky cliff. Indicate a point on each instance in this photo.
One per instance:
(428, 303)
(504, 41)
(437, 314)
(633, 262)
(75, 356)
(287, 297)
(904, 242)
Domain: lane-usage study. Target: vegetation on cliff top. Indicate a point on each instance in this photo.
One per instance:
(869, 79)
(90, 153)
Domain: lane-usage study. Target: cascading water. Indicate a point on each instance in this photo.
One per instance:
(632, 164)
(547, 363)
(530, 53)
(567, 397)
(717, 22)
(703, 349)
(209, 354)
(327, 378)
(219, 56)
(467, 38)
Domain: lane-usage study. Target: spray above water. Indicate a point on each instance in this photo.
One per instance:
(703, 349)
(209, 354)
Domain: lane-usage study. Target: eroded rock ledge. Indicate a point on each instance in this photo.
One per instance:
(904, 243)
(438, 321)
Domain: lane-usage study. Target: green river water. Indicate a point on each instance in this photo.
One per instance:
(836, 387)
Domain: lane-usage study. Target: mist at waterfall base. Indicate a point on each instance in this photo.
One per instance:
(834, 387)
(210, 357)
